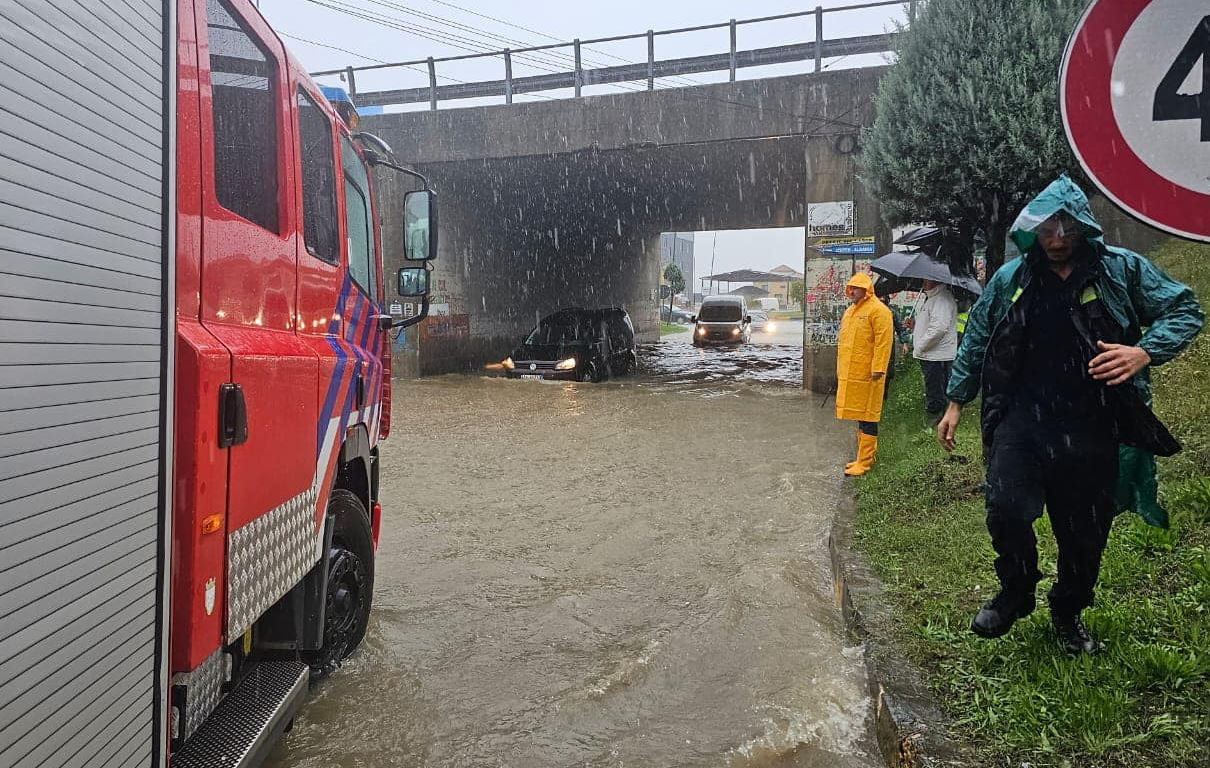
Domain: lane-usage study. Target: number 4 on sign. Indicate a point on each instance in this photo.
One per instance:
(1172, 105)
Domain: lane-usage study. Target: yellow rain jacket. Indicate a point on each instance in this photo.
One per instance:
(863, 348)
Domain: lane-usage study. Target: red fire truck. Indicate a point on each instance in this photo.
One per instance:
(194, 380)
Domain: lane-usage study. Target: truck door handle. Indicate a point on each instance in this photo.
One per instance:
(232, 416)
(360, 383)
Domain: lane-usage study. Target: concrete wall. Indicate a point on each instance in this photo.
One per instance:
(779, 106)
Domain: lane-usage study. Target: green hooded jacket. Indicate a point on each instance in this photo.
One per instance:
(1135, 293)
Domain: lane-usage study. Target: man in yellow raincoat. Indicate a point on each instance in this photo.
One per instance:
(863, 352)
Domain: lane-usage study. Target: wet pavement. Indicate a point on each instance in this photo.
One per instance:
(625, 574)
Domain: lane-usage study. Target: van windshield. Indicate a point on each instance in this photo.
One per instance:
(720, 312)
(562, 329)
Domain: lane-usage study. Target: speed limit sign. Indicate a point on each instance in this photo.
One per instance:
(1135, 96)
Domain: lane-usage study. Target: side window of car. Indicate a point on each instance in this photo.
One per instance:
(243, 78)
(320, 233)
(617, 337)
(357, 220)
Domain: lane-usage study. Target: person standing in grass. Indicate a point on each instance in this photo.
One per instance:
(1057, 346)
(934, 344)
(863, 354)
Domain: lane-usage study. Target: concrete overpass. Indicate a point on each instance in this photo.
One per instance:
(555, 203)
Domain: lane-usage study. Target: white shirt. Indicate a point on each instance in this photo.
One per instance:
(935, 336)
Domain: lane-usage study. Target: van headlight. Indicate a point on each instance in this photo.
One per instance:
(565, 365)
(701, 331)
(734, 331)
(509, 364)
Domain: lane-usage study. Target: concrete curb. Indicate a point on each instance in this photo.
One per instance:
(908, 724)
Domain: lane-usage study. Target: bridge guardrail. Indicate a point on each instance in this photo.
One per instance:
(579, 77)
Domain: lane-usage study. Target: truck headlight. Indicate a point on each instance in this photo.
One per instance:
(509, 364)
(565, 365)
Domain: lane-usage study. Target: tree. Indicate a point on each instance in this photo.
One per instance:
(797, 292)
(968, 128)
(676, 281)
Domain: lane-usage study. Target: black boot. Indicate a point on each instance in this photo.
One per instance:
(1073, 635)
(999, 614)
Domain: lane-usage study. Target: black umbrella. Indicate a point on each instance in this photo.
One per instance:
(921, 237)
(907, 268)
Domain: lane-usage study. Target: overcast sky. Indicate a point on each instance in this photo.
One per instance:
(328, 34)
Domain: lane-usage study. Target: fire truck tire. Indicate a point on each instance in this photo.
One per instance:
(350, 587)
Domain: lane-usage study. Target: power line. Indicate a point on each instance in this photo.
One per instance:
(360, 55)
(484, 41)
(451, 39)
(379, 61)
(552, 38)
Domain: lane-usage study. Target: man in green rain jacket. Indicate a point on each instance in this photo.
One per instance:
(1057, 347)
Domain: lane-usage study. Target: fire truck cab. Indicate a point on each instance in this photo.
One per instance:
(194, 385)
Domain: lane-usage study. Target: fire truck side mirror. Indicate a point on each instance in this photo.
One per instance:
(413, 282)
(420, 225)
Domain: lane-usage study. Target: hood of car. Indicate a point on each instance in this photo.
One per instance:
(549, 352)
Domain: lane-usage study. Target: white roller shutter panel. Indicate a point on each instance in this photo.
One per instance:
(86, 97)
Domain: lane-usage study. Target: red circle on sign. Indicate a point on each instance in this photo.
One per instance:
(1092, 127)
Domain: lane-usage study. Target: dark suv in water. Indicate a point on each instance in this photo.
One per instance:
(576, 344)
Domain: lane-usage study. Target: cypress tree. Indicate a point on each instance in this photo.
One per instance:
(968, 127)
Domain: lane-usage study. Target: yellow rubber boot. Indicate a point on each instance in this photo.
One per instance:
(867, 449)
(855, 461)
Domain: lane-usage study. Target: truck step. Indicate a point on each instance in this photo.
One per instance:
(249, 720)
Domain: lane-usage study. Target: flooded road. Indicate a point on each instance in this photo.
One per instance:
(625, 574)
(771, 358)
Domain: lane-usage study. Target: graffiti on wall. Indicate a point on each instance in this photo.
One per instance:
(445, 327)
(826, 301)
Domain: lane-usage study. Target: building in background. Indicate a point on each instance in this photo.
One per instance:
(677, 248)
(781, 290)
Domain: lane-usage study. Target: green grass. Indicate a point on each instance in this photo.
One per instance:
(1144, 702)
(669, 328)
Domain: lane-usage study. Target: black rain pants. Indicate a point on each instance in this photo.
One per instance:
(936, 379)
(1072, 471)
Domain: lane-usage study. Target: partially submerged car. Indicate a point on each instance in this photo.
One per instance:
(722, 320)
(576, 344)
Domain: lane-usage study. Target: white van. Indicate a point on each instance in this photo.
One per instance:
(721, 320)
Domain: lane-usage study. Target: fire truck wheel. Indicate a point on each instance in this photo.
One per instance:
(350, 586)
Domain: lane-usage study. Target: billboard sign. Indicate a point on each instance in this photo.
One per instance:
(830, 219)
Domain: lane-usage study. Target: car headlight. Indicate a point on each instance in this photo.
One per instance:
(566, 365)
(701, 331)
(771, 328)
(734, 331)
(509, 364)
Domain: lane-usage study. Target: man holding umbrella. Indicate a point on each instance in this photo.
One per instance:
(935, 335)
(934, 343)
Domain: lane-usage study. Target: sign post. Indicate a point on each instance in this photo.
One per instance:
(1135, 98)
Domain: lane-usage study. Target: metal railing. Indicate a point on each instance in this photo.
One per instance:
(651, 70)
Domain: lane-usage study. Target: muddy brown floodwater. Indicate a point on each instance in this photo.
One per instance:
(626, 574)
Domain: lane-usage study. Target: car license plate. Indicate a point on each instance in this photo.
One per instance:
(531, 377)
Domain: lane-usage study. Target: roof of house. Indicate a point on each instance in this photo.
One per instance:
(750, 276)
(749, 292)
